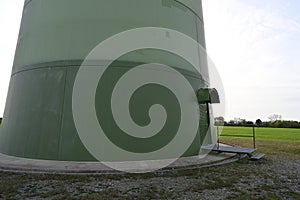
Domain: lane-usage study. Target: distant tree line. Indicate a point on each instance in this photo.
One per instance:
(275, 121)
(282, 124)
(0, 120)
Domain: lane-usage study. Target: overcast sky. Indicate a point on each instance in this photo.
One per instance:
(255, 45)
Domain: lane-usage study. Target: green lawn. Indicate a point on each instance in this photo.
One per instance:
(275, 134)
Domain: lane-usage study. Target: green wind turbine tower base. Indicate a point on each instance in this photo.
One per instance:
(54, 39)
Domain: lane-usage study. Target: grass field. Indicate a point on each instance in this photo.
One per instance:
(271, 141)
(274, 134)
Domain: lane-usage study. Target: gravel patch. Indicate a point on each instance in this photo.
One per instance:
(272, 177)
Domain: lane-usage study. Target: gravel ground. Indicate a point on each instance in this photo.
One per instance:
(273, 177)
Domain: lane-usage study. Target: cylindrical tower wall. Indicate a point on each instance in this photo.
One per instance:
(55, 37)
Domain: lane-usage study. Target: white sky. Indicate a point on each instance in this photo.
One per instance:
(254, 43)
(256, 46)
(10, 17)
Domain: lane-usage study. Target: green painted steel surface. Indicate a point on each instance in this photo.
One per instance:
(55, 37)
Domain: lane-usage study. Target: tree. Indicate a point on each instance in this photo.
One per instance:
(275, 117)
(231, 122)
(219, 121)
(0, 120)
(237, 120)
(249, 123)
(258, 122)
(243, 121)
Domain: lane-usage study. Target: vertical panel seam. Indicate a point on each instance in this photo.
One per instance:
(62, 115)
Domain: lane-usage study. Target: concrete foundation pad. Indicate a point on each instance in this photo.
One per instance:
(24, 165)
